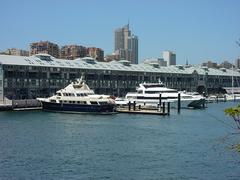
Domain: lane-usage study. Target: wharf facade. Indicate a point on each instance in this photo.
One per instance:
(42, 75)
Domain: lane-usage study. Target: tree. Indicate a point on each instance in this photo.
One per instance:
(234, 112)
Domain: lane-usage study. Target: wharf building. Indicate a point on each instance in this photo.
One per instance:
(42, 75)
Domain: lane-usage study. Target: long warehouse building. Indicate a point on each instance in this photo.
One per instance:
(42, 75)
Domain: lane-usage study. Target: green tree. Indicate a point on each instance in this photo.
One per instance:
(234, 112)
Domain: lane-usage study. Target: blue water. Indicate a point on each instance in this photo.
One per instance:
(193, 145)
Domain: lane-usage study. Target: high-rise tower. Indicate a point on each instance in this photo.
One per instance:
(169, 57)
(126, 45)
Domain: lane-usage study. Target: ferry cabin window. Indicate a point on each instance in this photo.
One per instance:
(102, 103)
(157, 92)
(53, 101)
(58, 94)
(130, 97)
(81, 94)
(68, 94)
(81, 102)
(94, 102)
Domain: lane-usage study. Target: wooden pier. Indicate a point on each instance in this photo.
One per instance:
(162, 110)
(142, 111)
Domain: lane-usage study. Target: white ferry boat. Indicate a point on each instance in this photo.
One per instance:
(149, 93)
(77, 97)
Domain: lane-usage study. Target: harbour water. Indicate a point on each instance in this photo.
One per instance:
(195, 144)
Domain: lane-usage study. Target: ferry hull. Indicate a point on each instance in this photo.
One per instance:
(197, 103)
(78, 108)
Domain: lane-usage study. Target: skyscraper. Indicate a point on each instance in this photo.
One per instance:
(170, 57)
(121, 37)
(126, 45)
(133, 49)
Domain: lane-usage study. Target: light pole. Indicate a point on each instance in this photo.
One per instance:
(206, 84)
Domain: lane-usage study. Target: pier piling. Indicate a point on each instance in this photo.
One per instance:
(160, 100)
(163, 109)
(168, 108)
(129, 105)
(179, 103)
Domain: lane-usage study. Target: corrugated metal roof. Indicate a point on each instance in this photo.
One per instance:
(114, 65)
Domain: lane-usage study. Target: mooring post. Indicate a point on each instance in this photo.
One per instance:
(179, 102)
(163, 108)
(225, 98)
(13, 104)
(168, 108)
(129, 106)
(160, 100)
(134, 105)
(234, 98)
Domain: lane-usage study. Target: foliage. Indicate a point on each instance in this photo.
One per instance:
(238, 147)
(234, 112)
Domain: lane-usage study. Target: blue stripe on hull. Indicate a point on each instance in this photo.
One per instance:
(85, 108)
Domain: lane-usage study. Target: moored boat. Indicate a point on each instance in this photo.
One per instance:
(149, 93)
(77, 97)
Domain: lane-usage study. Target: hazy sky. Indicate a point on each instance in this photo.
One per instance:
(197, 30)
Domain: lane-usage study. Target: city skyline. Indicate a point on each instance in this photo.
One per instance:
(196, 31)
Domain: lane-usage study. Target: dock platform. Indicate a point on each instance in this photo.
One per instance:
(142, 111)
(147, 112)
(5, 107)
(27, 109)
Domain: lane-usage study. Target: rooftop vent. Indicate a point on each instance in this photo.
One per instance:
(205, 68)
(180, 67)
(223, 69)
(125, 62)
(154, 64)
(44, 57)
(89, 60)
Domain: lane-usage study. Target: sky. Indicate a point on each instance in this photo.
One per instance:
(196, 30)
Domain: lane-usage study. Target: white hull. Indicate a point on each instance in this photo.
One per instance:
(151, 102)
(153, 93)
